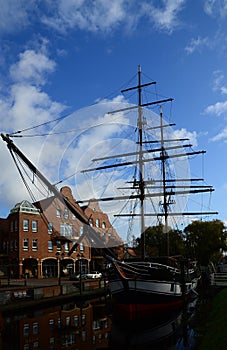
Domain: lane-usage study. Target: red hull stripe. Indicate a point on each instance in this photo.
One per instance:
(133, 311)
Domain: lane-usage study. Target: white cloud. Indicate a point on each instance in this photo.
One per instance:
(197, 44)
(218, 108)
(217, 8)
(92, 16)
(62, 15)
(25, 105)
(222, 135)
(185, 134)
(165, 17)
(98, 15)
(15, 14)
(218, 84)
(32, 67)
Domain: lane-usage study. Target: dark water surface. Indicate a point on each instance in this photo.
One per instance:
(91, 327)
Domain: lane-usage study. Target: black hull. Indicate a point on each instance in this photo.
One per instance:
(153, 289)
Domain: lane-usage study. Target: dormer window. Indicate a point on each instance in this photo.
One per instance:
(66, 213)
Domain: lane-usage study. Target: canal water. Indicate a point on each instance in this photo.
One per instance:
(91, 326)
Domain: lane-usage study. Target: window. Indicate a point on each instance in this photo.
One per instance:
(83, 336)
(66, 246)
(73, 216)
(15, 245)
(103, 225)
(25, 225)
(97, 222)
(66, 213)
(58, 245)
(51, 324)
(11, 226)
(35, 328)
(58, 213)
(34, 225)
(16, 225)
(91, 222)
(67, 321)
(76, 321)
(52, 343)
(59, 322)
(81, 247)
(50, 246)
(26, 329)
(50, 227)
(66, 230)
(11, 245)
(81, 230)
(25, 244)
(93, 339)
(36, 345)
(35, 244)
(96, 325)
(83, 320)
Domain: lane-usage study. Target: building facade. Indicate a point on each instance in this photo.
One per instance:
(40, 239)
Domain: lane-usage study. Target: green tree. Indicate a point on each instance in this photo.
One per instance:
(156, 241)
(205, 240)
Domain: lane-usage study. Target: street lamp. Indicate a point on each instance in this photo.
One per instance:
(59, 257)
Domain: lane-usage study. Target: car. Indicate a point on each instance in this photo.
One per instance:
(77, 277)
(94, 274)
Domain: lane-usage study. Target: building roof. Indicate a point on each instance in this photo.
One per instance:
(25, 207)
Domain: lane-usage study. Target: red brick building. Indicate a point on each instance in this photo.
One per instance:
(36, 239)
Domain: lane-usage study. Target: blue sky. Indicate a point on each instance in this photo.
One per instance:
(58, 57)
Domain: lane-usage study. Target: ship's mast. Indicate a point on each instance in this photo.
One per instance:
(166, 190)
(165, 204)
(141, 164)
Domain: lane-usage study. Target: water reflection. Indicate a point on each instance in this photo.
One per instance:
(69, 326)
(172, 332)
(91, 327)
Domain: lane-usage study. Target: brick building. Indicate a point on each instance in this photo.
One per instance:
(36, 239)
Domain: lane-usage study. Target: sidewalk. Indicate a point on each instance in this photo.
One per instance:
(19, 294)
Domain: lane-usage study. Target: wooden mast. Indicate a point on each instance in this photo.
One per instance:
(141, 164)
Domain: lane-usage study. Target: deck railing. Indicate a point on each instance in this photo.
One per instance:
(219, 279)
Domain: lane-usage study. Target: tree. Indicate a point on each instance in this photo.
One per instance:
(156, 241)
(205, 240)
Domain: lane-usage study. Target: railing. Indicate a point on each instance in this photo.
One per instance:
(219, 279)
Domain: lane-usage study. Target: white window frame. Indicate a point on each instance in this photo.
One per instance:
(50, 227)
(25, 244)
(34, 244)
(35, 328)
(50, 246)
(26, 329)
(66, 246)
(25, 225)
(58, 213)
(34, 225)
(66, 230)
(66, 213)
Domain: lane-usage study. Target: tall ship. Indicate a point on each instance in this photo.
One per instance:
(144, 285)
